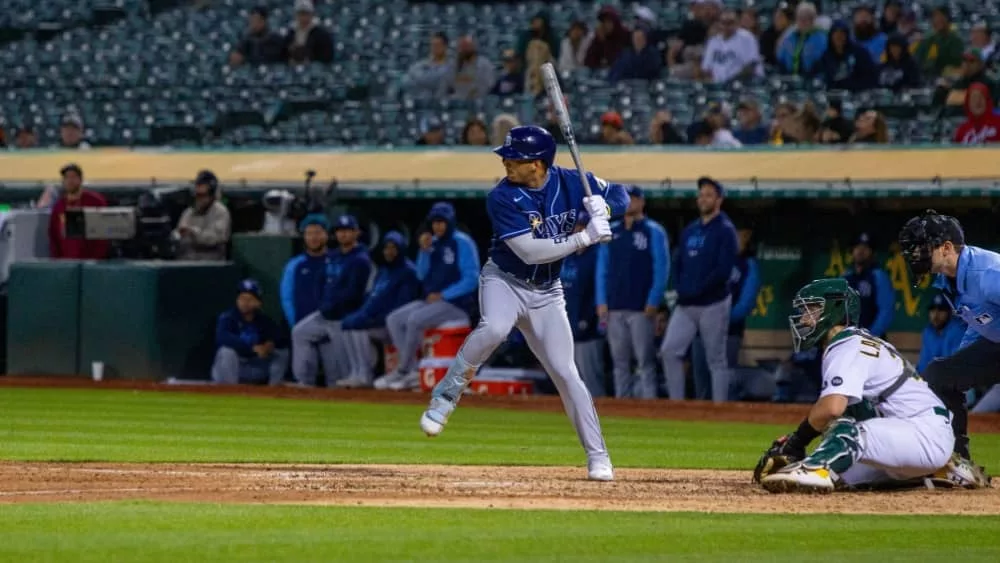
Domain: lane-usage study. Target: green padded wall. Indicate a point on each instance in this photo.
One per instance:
(263, 257)
(153, 320)
(43, 318)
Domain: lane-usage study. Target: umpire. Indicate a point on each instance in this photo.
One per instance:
(969, 278)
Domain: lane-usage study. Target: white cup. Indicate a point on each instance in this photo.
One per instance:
(97, 370)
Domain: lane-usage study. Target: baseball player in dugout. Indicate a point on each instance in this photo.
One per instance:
(345, 281)
(252, 348)
(448, 268)
(878, 298)
(578, 278)
(703, 264)
(881, 425)
(396, 284)
(969, 278)
(203, 230)
(74, 196)
(632, 274)
(534, 212)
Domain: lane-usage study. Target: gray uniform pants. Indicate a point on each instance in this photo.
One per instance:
(229, 367)
(631, 335)
(360, 355)
(315, 337)
(589, 356)
(407, 324)
(687, 321)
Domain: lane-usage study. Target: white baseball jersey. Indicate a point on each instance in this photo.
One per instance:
(858, 365)
(725, 58)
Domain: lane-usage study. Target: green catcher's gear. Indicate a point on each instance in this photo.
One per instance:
(839, 449)
(819, 306)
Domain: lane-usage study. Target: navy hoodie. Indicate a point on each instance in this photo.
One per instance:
(395, 285)
(899, 74)
(633, 269)
(704, 261)
(302, 286)
(233, 331)
(578, 283)
(451, 266)
(346, 281)
(851, 70)
(644, 65)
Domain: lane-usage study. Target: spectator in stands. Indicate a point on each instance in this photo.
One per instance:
(700, 133)
(573, 50)
(643, 16)
(900, 70)
(578, 276)
(251, 348)
(836, 128)
(781, 21)
(943, 334)
(260, 45)
(704, 15)
(717, 117)
(731, 54)
(892, 12)
(702, 267)
(74, 196)
(878, 298)
(345, 281)
(982, 125)
(471, 75)
(308, 42)
(610, 39)
(794, 124)
(662, 130)
(640, 61)
(429, 77)
(752, 130)
(431, 132)
(802, 48)
(511, 82)
(784, 113)
(631, 277)
(750, 21)
(540, 29)
(501, 126)
(25, 138)
(304, 275)
(952, 91)
(940, 53)
(744, 283)
(910, 29)
(203, 230)
(867, 34)
(845, 64)
(870, 127)
(448, 268)
(395, 285)
(980, 37)
(613, 130)
(474, 133)
(71, 133)
(537, 55)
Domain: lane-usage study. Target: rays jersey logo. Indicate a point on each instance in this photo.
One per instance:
(558, 225)
(448, 257)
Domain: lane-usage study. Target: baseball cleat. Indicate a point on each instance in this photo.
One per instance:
(383, 382)
(796, 478)
(600, 470)
(406, 382)
(355, 382)
(436, 416)
(960, 473)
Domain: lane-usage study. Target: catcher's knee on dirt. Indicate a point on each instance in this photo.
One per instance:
(840, 448)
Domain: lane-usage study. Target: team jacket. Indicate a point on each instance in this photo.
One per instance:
(578, 281)
(451, 268)
(633, 269)
(234, 331)
(878, 298)
(302, 286)
(940, 343)
(346, 282)
(547, 212)
(744, 283)
(395, 285)
(704, 260)
(974, 294)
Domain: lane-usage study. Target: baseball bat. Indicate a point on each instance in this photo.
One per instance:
(555, 95)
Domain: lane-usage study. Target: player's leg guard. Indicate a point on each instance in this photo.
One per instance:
(446, 394)
(840, 448)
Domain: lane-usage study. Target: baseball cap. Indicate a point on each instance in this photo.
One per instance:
(865, 239)
(940, 303)
(509, 55)
(973, 54)
(706, 181)
(304, 6)
(635, 191)
(73, 119)
(612, 118)
(748, 104)
(345, 222)
(314, 219)
(260, 11)
(250, 286)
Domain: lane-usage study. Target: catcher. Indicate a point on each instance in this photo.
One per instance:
(881, 424)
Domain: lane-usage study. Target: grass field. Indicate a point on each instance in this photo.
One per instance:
(123, 426)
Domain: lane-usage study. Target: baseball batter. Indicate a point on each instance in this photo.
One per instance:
(533, 212)
(906, 436)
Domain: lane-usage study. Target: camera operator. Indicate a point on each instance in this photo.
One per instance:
(204, 228)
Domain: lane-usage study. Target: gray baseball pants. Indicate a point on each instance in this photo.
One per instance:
(315, 337)
(230, 368)
(407, 324)
(631, 334)
(687, 321)
(589, 357)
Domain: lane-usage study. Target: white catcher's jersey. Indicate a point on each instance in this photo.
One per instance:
(858, 365)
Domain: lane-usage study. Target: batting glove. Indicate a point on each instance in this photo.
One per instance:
(598, 229)
(596, 206)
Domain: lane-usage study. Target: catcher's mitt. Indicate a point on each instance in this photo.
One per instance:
(783, 451)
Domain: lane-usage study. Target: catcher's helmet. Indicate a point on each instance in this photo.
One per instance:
(924, 233)
(819, 306)
(528, 142)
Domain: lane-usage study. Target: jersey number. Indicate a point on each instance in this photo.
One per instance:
(871, 349)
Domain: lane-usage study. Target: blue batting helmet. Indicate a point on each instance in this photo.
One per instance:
(528, 142)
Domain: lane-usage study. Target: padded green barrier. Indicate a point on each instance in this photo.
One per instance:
(43, 318)
(153, 320)
(263, 257)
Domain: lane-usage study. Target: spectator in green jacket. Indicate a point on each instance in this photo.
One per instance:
(940, 52)
(952, 91)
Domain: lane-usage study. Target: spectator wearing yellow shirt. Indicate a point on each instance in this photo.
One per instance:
(940, 53)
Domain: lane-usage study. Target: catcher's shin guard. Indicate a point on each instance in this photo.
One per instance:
(839, 449)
